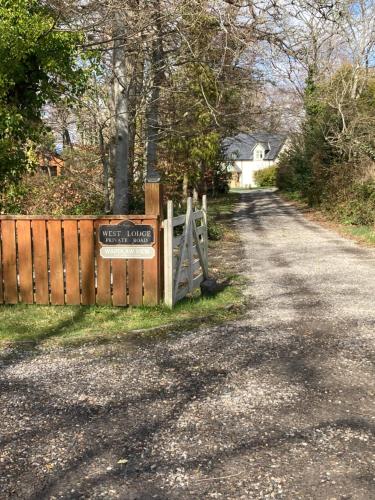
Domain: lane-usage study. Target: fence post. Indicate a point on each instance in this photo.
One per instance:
(154, 199)
(168, 256)
(154, 206)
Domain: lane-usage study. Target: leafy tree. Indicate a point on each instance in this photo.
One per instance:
(202, 103)
(39, 63)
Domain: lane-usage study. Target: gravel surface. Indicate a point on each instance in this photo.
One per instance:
(279, 404)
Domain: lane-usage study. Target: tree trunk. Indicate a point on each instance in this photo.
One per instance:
(107, 205)
(202, 180)
(121, 199)
(135, 90)
(66, 139)
(132, 135)
(152, 114)
(185, 186)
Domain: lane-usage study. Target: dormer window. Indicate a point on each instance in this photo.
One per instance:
(259, 153)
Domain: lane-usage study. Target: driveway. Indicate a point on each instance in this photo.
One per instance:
(279, 404)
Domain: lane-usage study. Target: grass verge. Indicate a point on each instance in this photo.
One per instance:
(361, 234)
(74, 325)
(364, 234)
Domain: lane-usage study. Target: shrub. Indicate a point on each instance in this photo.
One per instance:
(74, 193)
(331, 166)
(266, 177)
(354, 204)
(215, 231)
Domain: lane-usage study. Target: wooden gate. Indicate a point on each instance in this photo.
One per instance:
(49, 260)
(185, 251)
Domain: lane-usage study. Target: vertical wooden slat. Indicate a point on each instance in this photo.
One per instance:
(183, 246)
(135, 282)
(119, 281)
(8, 231)
(40, 261)
(73, 295)
(25, 261)
(119, 297)
(56, 262)
(87, 248)
(103, 270)
(152, 272)
(1, 271)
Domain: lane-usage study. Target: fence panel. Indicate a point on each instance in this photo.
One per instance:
(9, 260)
(87, 248)
(25, 262)
(119, 285)
(73, 295)
(103, 272)
(56, 260)
(135, 276)
(119, 281)
(40, 261)
(56, 265)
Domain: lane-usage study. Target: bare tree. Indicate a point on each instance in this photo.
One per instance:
(120, 83)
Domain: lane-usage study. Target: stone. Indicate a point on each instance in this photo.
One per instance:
(209, 287)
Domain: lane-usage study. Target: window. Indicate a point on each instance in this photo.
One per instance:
(259, 154)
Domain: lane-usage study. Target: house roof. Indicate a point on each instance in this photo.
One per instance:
(241, 146)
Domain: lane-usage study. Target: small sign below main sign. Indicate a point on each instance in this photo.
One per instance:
(126, 233)
(128, 252)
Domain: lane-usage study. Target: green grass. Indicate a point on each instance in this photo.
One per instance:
(293, 196)
(222, 207)
(242, 190)
(362, 233)
(75, 325)
(67, 325)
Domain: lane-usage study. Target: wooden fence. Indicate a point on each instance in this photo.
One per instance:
(185, 251)
(47, 260)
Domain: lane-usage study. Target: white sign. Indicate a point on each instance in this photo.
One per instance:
(128, 252)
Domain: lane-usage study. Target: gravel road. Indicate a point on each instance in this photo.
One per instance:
(279, 404)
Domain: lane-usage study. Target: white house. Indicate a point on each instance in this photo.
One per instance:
(246, 153)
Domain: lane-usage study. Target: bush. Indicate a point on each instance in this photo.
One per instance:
(332, 167)
(266, 177)
(215, 231)
(74, 193)
(354, 204)
(345, 190)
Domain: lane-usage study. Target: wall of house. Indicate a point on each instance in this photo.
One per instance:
(248, 168)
